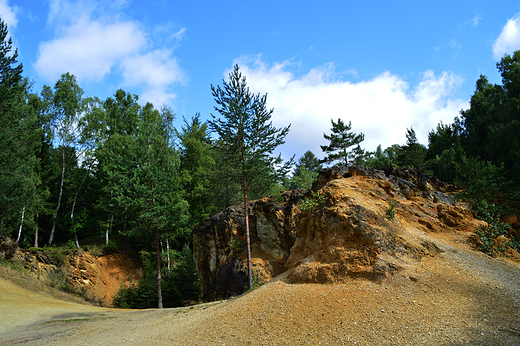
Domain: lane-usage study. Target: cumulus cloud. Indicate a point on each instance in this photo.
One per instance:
(382, 108)
(89, 49)
(157, 70)
(8, 14)
(509, 39)
(94, 47)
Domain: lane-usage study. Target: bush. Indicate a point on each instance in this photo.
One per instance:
(390, 211)
(312, 202)
(178, 288)
(488, 235)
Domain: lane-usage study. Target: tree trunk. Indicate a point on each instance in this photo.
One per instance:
(74, 205)
(157, 249)
(168, 254)
(21, 225)
(109, 228)
(36, 231)
(51, 237)
(1, 225)
(248, 239)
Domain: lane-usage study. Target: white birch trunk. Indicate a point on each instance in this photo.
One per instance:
(51, 238)
(21, 225)
(168, 254)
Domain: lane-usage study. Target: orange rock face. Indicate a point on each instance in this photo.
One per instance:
(347, 234)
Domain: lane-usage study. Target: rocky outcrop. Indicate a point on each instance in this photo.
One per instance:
(347, 234)
(220, 244)
(97, 277)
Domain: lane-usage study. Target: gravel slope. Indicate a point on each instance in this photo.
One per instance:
(458, 297)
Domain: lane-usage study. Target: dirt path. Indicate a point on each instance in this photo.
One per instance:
(459, 297)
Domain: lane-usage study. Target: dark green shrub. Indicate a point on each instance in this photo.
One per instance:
(179, 288)
(312, 202)
(390, 211)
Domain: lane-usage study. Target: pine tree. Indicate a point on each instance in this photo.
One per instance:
(306, 171)
(248, 138)
(196, 168)
(412, 154)
(340, 142)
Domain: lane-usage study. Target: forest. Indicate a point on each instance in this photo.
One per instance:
(77, 170)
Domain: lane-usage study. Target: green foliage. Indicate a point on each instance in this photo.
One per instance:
(489, 128)
(390, 211)
(19, 137)
(444, 150)
(412, 154)
(305, 172)
(340, 142)
(482, 181)
(58, 254)
(112, 246)
(258, 280)
(312, 202)
(247, 141)
(487, 235)
(383, 158)
(180, 288)
(197, 164)
(247, 136)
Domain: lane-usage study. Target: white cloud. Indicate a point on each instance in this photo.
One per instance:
(8, 14)
(97, 47)
(156, 70)
(475, 20)
(382, 108)
(509, 39)
(89, 49)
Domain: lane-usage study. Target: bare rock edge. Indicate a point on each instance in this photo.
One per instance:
(348, 235)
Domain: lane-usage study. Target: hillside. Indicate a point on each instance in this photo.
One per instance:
(459, 297)
(352, 276)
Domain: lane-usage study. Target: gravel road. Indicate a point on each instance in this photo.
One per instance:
(457, 297)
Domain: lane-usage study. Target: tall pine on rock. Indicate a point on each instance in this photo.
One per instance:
(340, 142)
(248, 136)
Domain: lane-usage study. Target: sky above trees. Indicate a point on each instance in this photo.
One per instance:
(384, 66)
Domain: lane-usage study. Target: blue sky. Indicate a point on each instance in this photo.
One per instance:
(383, 65)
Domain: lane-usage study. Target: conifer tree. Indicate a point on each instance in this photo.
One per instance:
(340, 142)
(248, 138)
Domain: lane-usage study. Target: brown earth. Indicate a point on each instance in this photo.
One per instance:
(96, 275)
(459, 297)
(352, 277)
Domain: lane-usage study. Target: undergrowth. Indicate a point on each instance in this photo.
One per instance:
(312, 202)
(488, 235)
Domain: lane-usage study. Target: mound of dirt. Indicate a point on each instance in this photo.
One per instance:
(348, 233)
(458, 297)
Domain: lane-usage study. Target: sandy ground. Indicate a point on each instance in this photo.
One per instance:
(459, 297)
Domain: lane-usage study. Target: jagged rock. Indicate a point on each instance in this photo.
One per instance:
(8, 248)
(219, 244)
(348, 235)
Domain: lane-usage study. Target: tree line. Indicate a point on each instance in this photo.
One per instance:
(75, 168)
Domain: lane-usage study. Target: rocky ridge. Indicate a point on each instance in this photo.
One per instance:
(348, 234)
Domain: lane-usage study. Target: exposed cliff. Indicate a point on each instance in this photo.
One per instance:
(97, 277)
(347, 235)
